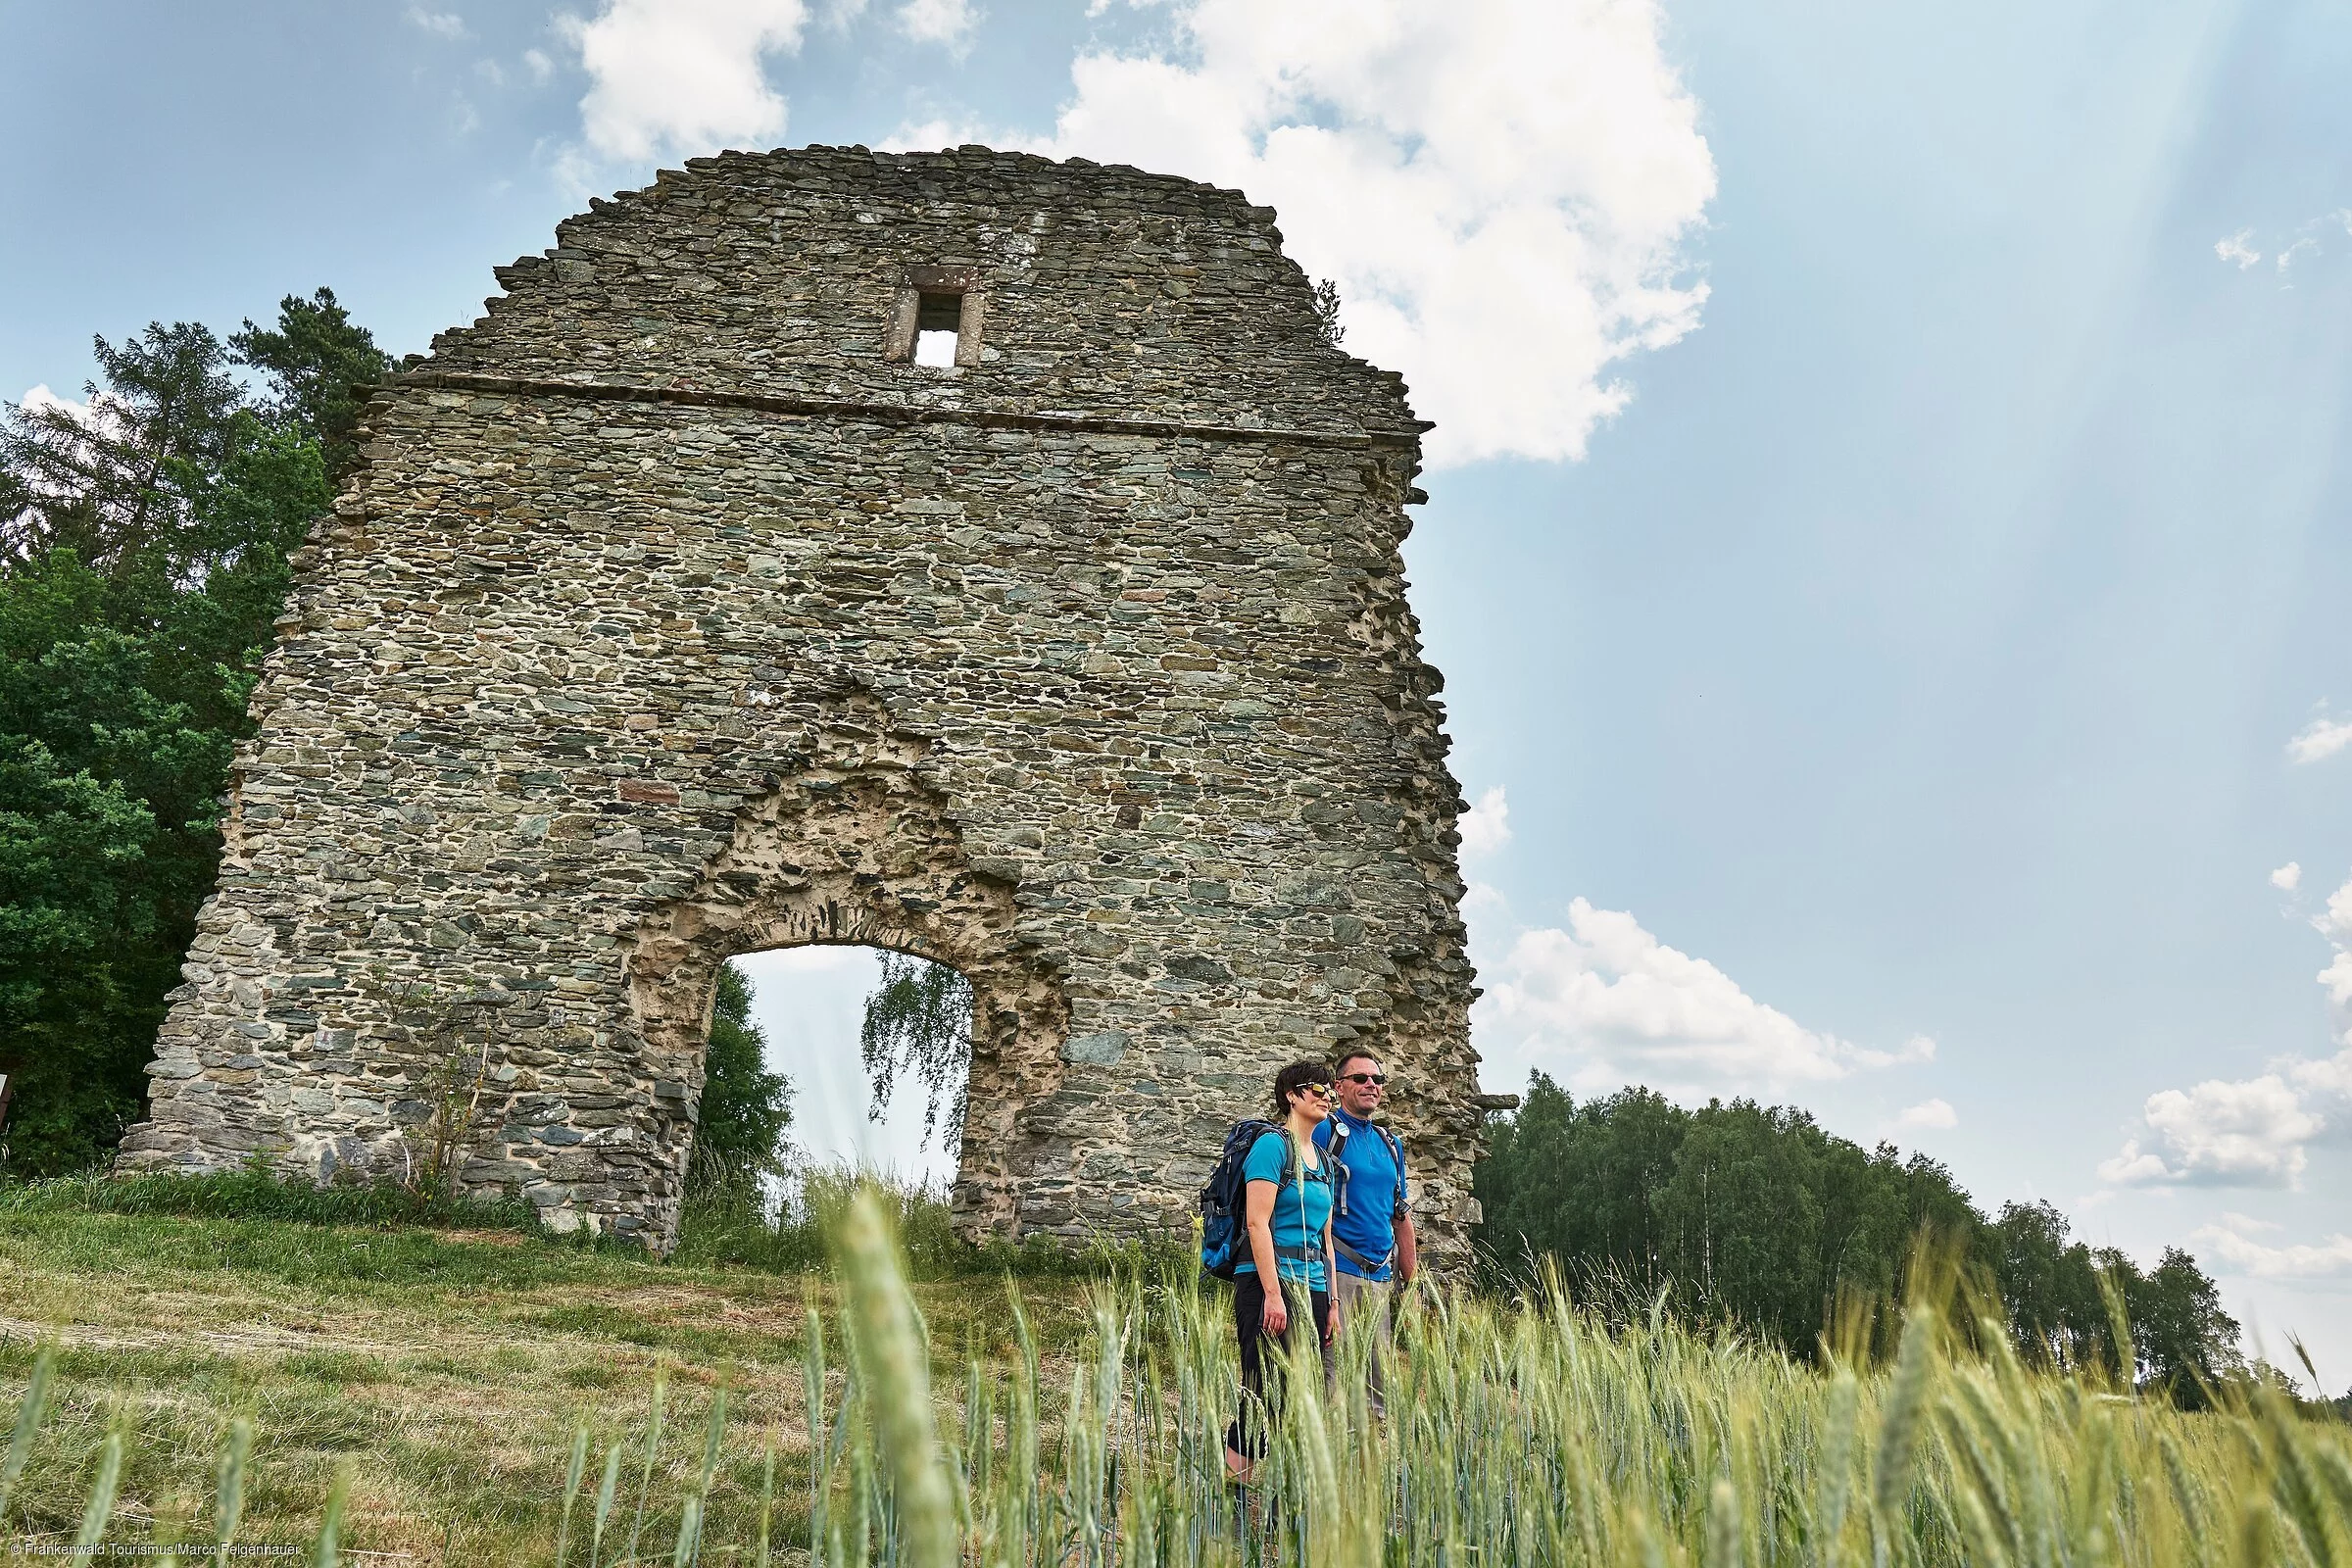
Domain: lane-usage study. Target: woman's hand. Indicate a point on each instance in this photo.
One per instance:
(1276, 1317)
(1331, 1320)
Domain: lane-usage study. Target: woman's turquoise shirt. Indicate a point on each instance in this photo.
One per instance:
(1300, 1208)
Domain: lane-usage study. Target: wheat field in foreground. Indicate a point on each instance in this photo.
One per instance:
(927, 1430)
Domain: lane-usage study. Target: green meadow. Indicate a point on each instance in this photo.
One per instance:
(362, 1387)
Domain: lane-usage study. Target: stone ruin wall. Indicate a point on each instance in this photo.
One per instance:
(676, 614)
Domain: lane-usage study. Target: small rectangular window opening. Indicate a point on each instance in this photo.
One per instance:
(938, 320)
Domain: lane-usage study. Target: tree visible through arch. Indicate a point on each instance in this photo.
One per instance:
(745, 1108)
(919, 1023)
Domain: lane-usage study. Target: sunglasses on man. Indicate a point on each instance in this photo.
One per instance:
(1375, 1078)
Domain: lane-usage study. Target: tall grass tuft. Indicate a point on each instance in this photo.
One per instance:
(101, 1504)
(653, 1447)
(228, 1497)
(896, 1374)
(604, 1503)
(572, 1488)
(329, 1551)
(29, 1422)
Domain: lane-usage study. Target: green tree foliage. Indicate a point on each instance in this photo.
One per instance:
(110, 484)
(919, 1021)
(2186, 1341)
(142, 558)
(2051, 1287)
(1327, 311)
(745, 1108)
(318, 362)
(1755, 1214)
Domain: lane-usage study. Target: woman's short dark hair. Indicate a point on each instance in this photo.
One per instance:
(1297, 1076)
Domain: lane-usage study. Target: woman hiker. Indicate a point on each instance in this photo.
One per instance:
(1286, 1213)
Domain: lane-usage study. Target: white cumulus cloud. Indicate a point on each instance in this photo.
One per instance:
(1486, 826)
(2235, 249)
(2336, 921)
(671, 78)
(940, 21)
(2298, 1261)
(1929, 1114)
(37, 398)
(97, 412)
(440, 24)
(2288, 877)
(2254, 1132)
(1504, 190)
(2219, 1134)
(1507, 191)
(2306, 246)
(1609, 993)
(2321, 738)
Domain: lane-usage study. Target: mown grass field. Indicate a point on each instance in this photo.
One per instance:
(491, 1397)
(446, 1367)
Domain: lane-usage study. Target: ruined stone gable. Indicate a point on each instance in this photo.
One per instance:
(679, 612)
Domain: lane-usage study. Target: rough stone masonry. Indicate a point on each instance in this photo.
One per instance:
(965, 554)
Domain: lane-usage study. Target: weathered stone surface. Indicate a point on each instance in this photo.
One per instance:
(676, 615)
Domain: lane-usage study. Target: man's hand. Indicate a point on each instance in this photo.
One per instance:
(1275, 1318)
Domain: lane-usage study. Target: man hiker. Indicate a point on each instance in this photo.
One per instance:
(1371, 1224)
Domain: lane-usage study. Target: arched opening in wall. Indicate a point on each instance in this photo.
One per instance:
(857, 849)
(894, 1063)
(876, 1046)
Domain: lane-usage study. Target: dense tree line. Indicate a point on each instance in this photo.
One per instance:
(1755, 1214)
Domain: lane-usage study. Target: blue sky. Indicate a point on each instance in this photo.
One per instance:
(1888, 545)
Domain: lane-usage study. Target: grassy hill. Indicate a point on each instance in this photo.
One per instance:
(481, 1395)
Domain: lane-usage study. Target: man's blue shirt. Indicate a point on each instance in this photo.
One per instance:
(1375, 1193)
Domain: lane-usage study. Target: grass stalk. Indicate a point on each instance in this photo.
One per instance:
(652, 1447)
(897, 1376)
(329, 1551)
(572, 1488)
(101, 1504)
(29, 1423)
(228, 1495)
(603, 1503)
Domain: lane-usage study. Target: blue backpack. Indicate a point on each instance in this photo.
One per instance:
(1224, 1240)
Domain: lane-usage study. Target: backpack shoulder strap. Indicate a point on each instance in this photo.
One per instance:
(1291, 1166)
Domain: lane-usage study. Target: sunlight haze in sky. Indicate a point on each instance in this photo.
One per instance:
(1888, 543)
